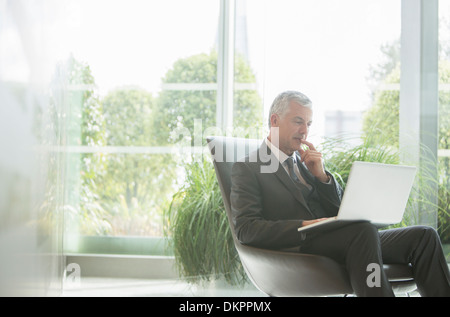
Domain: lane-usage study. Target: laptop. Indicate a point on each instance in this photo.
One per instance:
(374, 192)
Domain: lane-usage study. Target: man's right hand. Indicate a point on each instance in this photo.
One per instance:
(310, 222)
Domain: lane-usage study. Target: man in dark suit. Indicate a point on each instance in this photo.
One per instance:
(283, 185)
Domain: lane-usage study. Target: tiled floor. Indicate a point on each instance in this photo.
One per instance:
(118, 287)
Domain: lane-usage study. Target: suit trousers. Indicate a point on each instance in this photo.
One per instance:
(358, 245)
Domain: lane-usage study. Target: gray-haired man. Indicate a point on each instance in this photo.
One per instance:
(268, 207)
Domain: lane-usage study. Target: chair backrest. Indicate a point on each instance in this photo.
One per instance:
(225, 152)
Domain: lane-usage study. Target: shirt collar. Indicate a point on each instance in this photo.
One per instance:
(280, 155)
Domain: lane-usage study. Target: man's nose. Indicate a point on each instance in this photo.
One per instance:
(303, 129)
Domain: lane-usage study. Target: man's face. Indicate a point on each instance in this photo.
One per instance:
(293, 126)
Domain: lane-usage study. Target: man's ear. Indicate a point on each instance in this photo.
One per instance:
(274, 120)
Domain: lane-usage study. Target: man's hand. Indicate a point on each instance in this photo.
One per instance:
(310, 222)
(313, 161)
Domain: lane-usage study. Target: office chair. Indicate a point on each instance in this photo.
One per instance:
(281, 273)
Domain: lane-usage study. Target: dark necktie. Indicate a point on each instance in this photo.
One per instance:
(304, 189)
(290, 164)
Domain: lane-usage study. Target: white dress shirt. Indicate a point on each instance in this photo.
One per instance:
(282, 157)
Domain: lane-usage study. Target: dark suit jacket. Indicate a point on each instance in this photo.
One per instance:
(267, 207)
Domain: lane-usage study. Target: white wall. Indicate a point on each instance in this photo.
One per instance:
(31, 160)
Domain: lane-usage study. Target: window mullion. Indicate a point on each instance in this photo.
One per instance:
(225, 65)
(419, 96)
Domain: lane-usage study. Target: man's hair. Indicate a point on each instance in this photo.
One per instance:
(281, 102)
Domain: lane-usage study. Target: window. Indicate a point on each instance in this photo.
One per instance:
(139, 73)
(329, 50)
(150, 80)
(444, 124)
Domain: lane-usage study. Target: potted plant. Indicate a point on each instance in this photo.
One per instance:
(198, 229)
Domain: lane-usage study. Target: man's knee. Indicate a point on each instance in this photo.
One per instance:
(427, 233)
(364, 231)
(421, 235)
(423, 232)
(365, 228)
